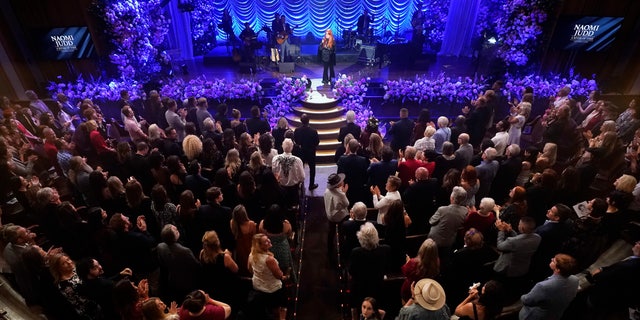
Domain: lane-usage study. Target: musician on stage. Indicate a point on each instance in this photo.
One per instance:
(283, 38)
(364, 23)
(249, 38)
(227, 25)
(417, 22)
(276, 30)
(327, 52)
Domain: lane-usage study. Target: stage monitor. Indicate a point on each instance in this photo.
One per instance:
(64, 43)
(583, 33)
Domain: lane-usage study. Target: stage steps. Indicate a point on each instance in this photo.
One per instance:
(326, 116)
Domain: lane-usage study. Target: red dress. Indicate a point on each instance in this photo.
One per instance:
(98, 142)
(211, 312)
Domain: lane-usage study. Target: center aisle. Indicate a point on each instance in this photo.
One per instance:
(318, 292)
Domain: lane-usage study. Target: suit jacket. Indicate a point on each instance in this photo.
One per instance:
(179, 269)
(445, 224)
(401, 134)
(419, 201)
(354, 168)
(213, 216)
(616, 285)
(352, 128)
(505, 178)
(379, 172)
(549, 298)
(486, 173)
(516, 253)
(307, 138)
(255, 125)
(175, 121)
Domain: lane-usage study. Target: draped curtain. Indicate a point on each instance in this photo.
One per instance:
(458, 32)
(316, 16)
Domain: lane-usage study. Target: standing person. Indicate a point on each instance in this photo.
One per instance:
(364, 23)
(327, 53)
(176, 118)
(307, 138)
(283, 38)
(255, 124)
(401, 131)
(427, 302)
(350, 127)
(289, 170)
(549, 298)
(517, 120)
(267, 276)
(336, 204)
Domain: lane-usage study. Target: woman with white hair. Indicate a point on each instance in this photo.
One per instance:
(367, 267)
(443, 134)
(483, 218)
(350, 127)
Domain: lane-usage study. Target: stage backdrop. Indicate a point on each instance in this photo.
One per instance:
(316, 16)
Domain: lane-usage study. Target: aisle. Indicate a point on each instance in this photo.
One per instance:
(318, 296)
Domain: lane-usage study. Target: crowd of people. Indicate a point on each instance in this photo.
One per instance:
(495, 210)
(120, 219)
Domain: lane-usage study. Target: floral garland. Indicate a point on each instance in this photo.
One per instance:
(441, 89)
(217, 89)
(136, 29)
(436, 13)
(203, 26)
(444, 89)
(108, 91)
(518, 30)
(352, 93)
(290, 91)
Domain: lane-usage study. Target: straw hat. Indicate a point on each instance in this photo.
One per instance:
(429, 294)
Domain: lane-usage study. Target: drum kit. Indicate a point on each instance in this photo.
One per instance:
(355, 41)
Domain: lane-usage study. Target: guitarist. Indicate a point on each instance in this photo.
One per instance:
(417, 22)
(282, 37)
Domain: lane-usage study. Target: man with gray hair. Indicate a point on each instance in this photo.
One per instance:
(465, 149)
(487, 171)
(446, 221)
(350, 127)
(349, 228)
(289, 170)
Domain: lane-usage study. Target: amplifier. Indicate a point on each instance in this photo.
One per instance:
(286, 67)
(367, 54)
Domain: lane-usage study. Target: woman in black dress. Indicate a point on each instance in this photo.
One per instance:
(327, 53)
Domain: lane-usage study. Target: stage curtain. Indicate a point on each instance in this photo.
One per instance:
(316, 16)
(180, 25)
(458, 32)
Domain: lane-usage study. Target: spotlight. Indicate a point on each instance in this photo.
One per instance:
(491, 40)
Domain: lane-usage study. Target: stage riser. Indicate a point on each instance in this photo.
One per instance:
(295, 122)
(319, 114)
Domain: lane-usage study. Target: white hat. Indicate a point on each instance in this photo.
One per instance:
(429, 294)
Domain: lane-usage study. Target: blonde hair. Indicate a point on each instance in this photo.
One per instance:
(626, 183)
(192, 146)
(256, 250)
(210, 247)
(232, 160)
(427, 258)
(429, 131)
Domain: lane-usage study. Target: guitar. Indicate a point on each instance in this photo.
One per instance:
(284, 35)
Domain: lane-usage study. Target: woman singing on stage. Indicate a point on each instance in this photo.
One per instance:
(327, 52)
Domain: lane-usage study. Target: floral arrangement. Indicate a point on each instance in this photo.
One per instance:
(352, 92)
(203, 25)
(436, 13)
(95, 89)
(217, 89)
(463, 90)
(549, 86)
(518, 29)
(136, 29)
(290, 91)
(440, 89)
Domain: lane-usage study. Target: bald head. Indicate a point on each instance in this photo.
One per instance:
(422, 173)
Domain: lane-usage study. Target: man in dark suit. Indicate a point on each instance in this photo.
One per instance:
(139, 167)
(615, 287)
(350, 127)
(419, 199)
(196, 182)
(214, 216)
(380, 171)
(401, 131)
(364, 23)
(507, 173)
(349, 229)
(354, 168)
(553, 234)
(307, 138)
(255, 124)
(516, 252)
(179, 268)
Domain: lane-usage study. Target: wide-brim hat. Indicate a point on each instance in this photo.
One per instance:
(335, 179)
(429, 294)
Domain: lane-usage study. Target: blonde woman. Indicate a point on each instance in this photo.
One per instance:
(517, 120)
(267, 276)
(233, 164)
(219, 269)
(192, 146)
(425, 265)
(243, 230)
